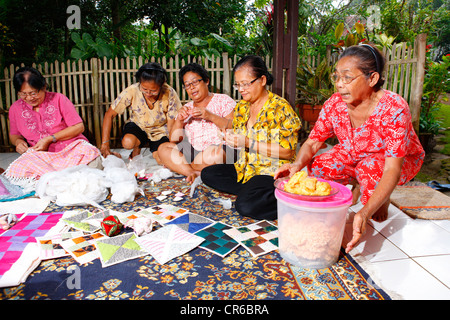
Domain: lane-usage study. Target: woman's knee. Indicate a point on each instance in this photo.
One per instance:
(130, 141)
(256, 210)
(257, 200)
(211, 155)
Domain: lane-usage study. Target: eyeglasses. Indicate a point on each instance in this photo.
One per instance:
(31, 94)
(345, 79)
(244, 85)
(150, 92)
(193, 83)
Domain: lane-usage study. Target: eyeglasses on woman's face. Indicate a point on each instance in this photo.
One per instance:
(335, 77)
(31, 94)
(192, 84)
(244, 86)
(148, 91)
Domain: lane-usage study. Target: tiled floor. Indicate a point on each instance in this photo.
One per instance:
(408, 258)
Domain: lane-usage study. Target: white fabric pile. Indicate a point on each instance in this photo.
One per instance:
(82, 185)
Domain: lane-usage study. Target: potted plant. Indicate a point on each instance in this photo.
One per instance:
(314, 87)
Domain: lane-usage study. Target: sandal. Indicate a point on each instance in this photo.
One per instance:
(438, 186)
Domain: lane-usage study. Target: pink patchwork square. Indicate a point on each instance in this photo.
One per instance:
(24, 233)
(4, 246)
(30, 239)
(11, 257)
(4, 267)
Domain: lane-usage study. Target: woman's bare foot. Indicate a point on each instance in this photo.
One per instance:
(136, 152)
(382, 213)
(191, 177)
(356, 192)
(7, 221)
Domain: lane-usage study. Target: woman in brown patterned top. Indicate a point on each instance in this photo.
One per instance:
(154, 106)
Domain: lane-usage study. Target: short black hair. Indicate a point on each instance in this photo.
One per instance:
(196, 68)
(29, 75)
(370, 60)
(152, 72)
(257, 64)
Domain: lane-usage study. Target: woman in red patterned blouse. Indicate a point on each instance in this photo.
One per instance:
(378, 148)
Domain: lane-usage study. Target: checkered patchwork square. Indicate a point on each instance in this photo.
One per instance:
(216, 240)
(258, 238)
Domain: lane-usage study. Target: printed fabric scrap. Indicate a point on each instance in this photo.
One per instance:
(11, 192)
(30, 166)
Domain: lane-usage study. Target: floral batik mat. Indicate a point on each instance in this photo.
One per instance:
(198, 274)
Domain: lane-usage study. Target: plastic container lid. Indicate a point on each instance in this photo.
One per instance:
(342, 198)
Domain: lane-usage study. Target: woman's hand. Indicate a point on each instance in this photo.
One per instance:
(42, 144)
(21, 146)
(199, 112)
(359, 228)
(183, 114)
(106, 151)
(377, 206)
(235, 140)
(287, 170)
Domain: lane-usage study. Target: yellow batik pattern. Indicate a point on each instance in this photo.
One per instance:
(276, 122)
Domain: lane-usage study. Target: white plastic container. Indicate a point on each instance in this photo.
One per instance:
(310, 232)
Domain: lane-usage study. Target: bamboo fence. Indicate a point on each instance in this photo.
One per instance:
(92, 85)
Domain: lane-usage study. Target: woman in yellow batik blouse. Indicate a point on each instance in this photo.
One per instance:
(265, 130)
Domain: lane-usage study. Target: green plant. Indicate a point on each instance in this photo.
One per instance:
(314, 85)
(351, 37)
(436, 85)
(429, 124)
(212, 45)
(86, 47)
(384, 41)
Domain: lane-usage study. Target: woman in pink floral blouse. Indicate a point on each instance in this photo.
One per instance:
(378, 147)
(45, 128)
(195, 141)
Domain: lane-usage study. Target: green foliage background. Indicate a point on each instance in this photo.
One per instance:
(36, 31)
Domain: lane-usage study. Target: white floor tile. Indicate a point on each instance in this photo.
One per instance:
(444, 224)
(439, 266)
(373, 246)
(415, 237)
(409, 280)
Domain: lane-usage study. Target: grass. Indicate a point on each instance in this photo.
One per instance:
(443, 115)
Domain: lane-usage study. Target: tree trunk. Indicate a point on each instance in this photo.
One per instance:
(115, 13)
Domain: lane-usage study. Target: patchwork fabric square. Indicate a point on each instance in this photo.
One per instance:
(216, 240)
(191, 222)
(124, 217)
(95, 218)
(118, 249)
(258, 238)
(75, 219)
(14, 240)
(168, 242)
(164, 213)
(50, 247)
(82, 248)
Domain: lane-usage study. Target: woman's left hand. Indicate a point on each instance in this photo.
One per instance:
(42, 145)
(359, 228)
(234, 140)
(199, 112)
